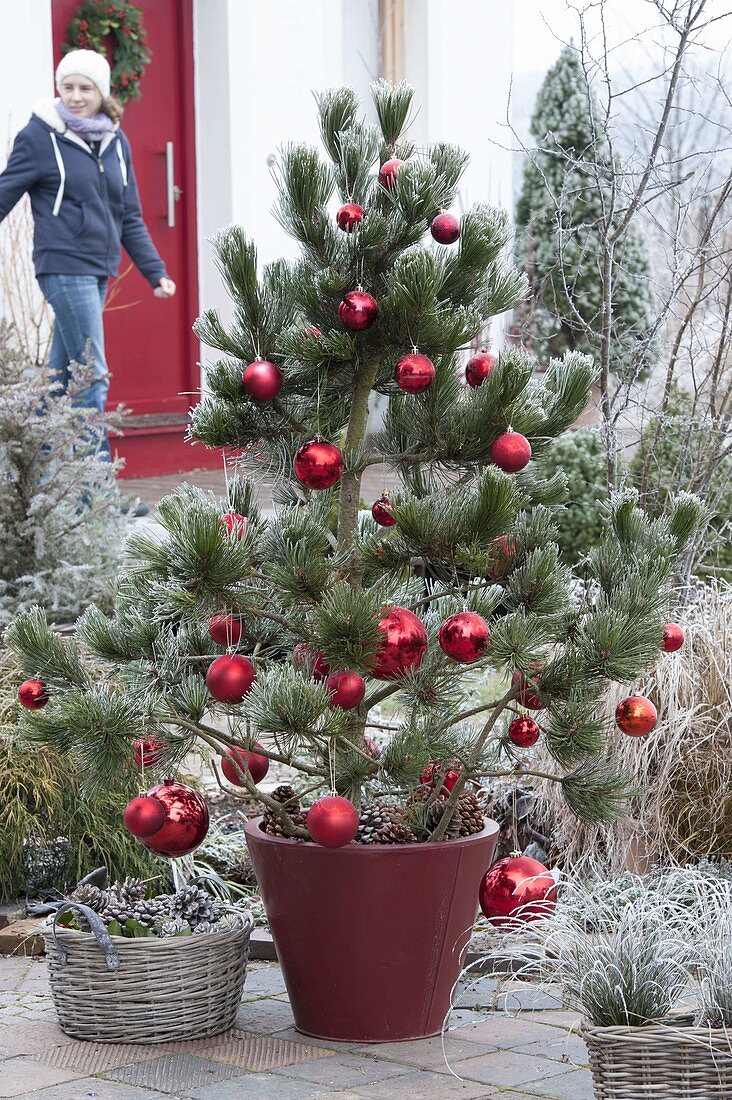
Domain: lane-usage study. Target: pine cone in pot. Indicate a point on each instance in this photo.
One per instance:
(206, 926)
(192, 904)
(149, 912)
(396, 833)
(165, 928)
(131, 890)
(88, 894)
(272, 822)
(377, 817)
(472, 818)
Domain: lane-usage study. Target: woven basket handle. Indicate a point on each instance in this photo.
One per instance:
(101, 935)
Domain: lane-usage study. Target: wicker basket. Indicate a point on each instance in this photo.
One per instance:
(671, 1060)
(110, 989)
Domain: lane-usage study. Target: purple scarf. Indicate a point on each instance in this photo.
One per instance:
(90, 129)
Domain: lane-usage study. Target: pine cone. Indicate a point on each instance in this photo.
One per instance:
(165, 928)
(131, 890)
(286, 793)
(434, 816)
(206, 926)
(90, 895)
(378, 816)
(230, 922)
(472, 818)
(273, 822)
(193, 905)
(116, 910)
(148, 913)
(396, 833)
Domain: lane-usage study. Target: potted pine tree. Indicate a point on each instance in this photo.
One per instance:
(284, 637)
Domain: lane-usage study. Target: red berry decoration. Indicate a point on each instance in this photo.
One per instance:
(636, 716)
(309, 660)
(33, 694)
(235, 523)
(445, 228)
(332, 821)
(511, 451)
(381, 511)
(147, 751)
(499, 559)
(358, 310)
(226, 630)
(230, 677)
(517, 888)
(348, 216)
(238, 759)
(673, 638)
(186, 820)
(528, 696)
(347, 689)
(431, 773)
(318, 465)
(524, 732)
(262, 380)
(144, 816)
(465, 636)
(403, 646)
(388, 173)
(414, 373)
(479, 367)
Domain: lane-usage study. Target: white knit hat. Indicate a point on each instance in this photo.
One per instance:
(86, 63)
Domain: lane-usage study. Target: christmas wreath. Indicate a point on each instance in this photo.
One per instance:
(96, 21)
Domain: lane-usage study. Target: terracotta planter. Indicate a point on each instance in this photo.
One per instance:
(370, 938)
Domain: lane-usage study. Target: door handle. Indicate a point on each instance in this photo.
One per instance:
(170, 188)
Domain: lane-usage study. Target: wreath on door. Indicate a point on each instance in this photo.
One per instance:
(96, 21)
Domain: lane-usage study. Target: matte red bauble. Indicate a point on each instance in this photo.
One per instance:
(144, 816)
(358, 310)
(309, 660)
(517, 888)
(347, 689)
(186, 820)
(381, 511)
(262, 380)
(524, 732)
(499, 559)
(332, 821)
(673, 638)
(318, 465)
(464, 637)
(348, 216)
(226, 629)
(147, 751)
(388, 173)
(445, 228)
(237, 758)
(414, 373)
(636, 716)
(404, 644)
(431, 773)
(511, 451)
(33, 694)
(479, 367)
(236, 524)
(528, 696)
(230, 677)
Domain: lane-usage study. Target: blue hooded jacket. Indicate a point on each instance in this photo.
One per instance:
(84, 205)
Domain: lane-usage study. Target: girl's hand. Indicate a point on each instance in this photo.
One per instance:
(164, 289)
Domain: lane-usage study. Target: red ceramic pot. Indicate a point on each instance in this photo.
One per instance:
(370, 938)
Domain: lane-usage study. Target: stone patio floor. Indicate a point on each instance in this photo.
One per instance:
(536, 1054)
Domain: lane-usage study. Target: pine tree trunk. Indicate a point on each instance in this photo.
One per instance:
(350, 487)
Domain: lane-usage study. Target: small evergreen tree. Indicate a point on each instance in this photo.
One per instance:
(580, 456)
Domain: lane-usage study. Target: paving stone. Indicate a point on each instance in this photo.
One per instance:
(423, 1086)
(576, 1085)
(255, 1052)
(268, 1085)
(343, 1071)
(477, 992)
(421, 1053)
(528, 998)
(296, 1036)
(176, 1073)
(569, 1047)
(265, 1016)
(507, 1032)
(93, 1088)
(264, 981)
(20, 1038)
(22, 1075)
(505, 1068)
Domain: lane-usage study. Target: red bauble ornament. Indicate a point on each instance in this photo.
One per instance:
(310, 661)
(388, 173)
(636, 716)
(414, 373)
(230, 677)
(499, 559)
(517, 888)
(381, 511)
(479, 367)
(445, 228)
(528, 696)
(346, 688)
(404, 644)
(524, 732)
(431, 773)
(371, 748)
(262, 380)
(186, 820)
(358, 310)
(147, 751)
(235, 523)
(464, 637)
(673, 638)
(144, 816)
(332, 821)
(33, 694)
(313, 331)
(318, 465)
(348, 216)
(247, 760)
(226, 630)
(511, 451)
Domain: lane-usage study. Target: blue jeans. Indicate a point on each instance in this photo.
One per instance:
(77, 302)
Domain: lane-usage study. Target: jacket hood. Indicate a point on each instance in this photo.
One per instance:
(45, 110)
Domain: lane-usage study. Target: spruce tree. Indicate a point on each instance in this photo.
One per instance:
(311, 590)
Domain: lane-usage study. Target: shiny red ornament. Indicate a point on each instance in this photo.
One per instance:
(528, 696)
(403, 646)
(348, 216)
(332, 821)
(358, 310)
(33, 694)
(381, 511)
(318, 465)
(524, 732)
(235, 523)
(186, 820)
(479, 367)
(445, 228)
(144, 816)
(414, 373)
(500, 557)
(464, 637)
(230, 677)
(262, 380)
(147, 751)
(312, 331)
(388, 173)
(347, 689)
(673, 638)
(511, 451)
(636, 716)
(431, 773)
(309, 660)
(372, 749)
(226, 630)
(238, 759)
(517, 889)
